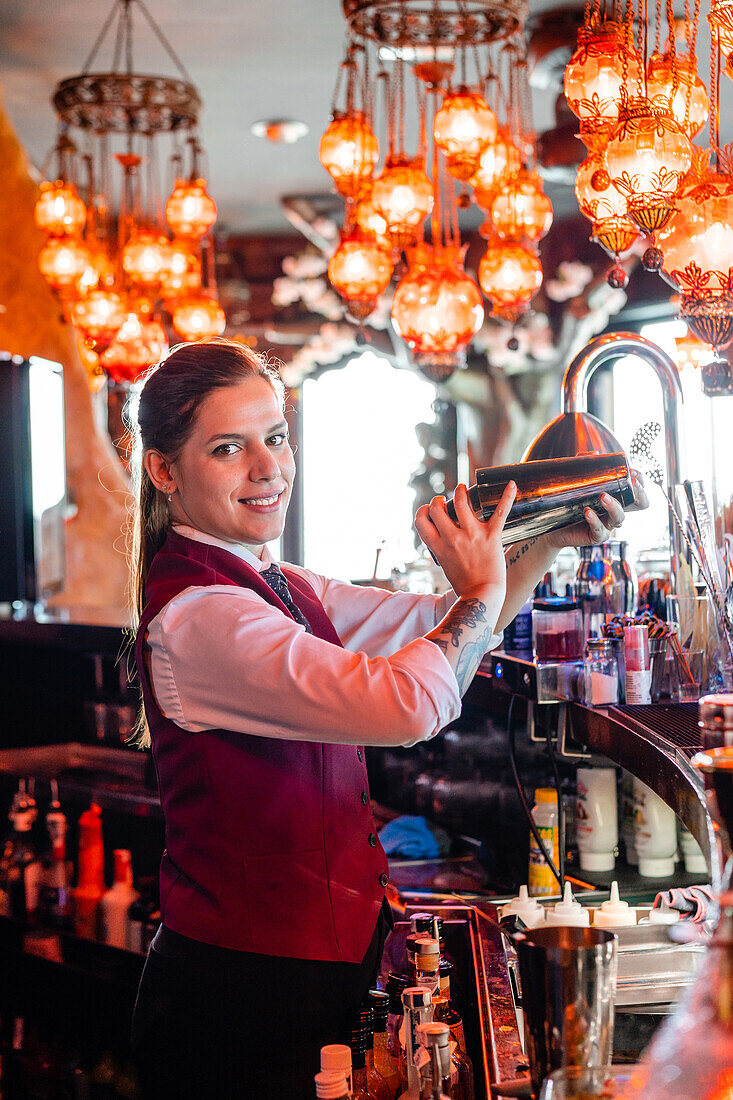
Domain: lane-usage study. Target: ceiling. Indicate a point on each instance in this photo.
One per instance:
(250, 60)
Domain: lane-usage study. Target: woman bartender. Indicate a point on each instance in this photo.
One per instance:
(260, 688)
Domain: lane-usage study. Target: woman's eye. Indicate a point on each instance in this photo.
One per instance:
(278, 439)
(225, 449)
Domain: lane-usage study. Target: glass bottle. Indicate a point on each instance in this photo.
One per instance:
(444, 1011)
(384, 1060)
(20, 867)
(396, 985)
(600, 673)
(375, 1081)
(418, 1010)
(426, 963)
(55, 895)
(361, 1085)
(435, 1077)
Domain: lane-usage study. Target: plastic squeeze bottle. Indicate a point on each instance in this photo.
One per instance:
(90, 888)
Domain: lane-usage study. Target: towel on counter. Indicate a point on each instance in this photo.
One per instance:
(410, 837)
(695, 902)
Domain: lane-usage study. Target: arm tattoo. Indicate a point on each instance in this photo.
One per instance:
(469, 660)
(465, 613)
(519, 551)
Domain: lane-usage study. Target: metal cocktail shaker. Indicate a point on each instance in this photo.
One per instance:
(551, 493)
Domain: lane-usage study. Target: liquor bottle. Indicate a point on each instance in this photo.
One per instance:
(435, 1077)
(396, 985)
(444, 1012)
(336, 1061)
(332, 1086)
(55, 902)
(20, 867)
(418, 1010)
(114, 906)
(385, 1061)
(361, 1085)
(375, 1081)
(426, 963)
(90, 887)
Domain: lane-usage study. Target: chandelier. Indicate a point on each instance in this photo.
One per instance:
(431, 112)
(640, 102)
(124, 263)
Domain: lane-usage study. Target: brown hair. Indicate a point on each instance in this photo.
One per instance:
(161, 416)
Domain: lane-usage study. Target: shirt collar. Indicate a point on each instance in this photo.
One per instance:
(239, 549)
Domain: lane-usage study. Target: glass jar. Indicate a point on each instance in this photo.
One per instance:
(557, 629)
(600, 673)
(605, 584)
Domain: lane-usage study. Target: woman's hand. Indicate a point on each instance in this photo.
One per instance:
(593, 529)
(470, 553)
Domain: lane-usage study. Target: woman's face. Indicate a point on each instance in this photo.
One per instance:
(234, 474)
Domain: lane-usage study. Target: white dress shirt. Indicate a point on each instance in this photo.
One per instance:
(223, 658)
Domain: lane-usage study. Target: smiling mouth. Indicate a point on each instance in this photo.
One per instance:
(262, 502)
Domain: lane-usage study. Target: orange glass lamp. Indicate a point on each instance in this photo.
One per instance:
(140, 343)
(190, 211)
(199, 317)
(672, 82)
(720, 18)
(463, 128)
(403, 195)
(349, 151)
(62, 262)
(604, 206)
(697, 250)
(594, 76)
(371, 223)
(647, 159)
(185, 273)
(498, 163)
(147, 259)
(509, 273)
(437, 308)
(98, 317)
(59, 210)
(359, 272)
(521, 208)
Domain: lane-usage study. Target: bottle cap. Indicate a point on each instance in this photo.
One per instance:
(336, 1058)
(663, 915)
(331, 1086)
(555, 603)
(416, 996)
(379, 1002)
(568, 912)
(395, 985)
(122, 865)
(529, 911)
(427, 952)
(545, 794)
(437, 1034)
(425, 924)
(614, 913)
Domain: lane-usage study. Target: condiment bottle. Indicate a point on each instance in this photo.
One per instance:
(541, 881)
(614, 913)
(529, 911)
(568, 912)
(90, 888)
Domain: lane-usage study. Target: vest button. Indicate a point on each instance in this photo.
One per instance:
(364, 797)
(373, 839)
(383, 880)
(359, 754)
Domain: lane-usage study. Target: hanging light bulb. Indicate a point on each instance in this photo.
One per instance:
(62, 262)
(647, 159)
(604, 206)
(147, 259)
(59, 210)
(185, 273)
(140, 343)
(199, 317)
(437, 308)
(360, 271)
(190, 211)
(498, 163)
(509, 273)
(521, 208)
(371, 222)
(98, 316)
(602, 64)
(673, 83)
(403, 195)
(697, 250)
(463, 128)
(720, 18)
(348, 150)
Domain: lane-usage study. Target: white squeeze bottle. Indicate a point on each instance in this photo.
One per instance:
(116, 902)
(614, 913)
(568, 912)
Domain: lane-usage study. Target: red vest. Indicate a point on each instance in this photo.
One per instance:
(271, 845)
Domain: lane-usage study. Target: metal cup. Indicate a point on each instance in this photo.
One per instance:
(568, 976)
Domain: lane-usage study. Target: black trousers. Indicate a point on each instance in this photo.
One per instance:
(210, 1022)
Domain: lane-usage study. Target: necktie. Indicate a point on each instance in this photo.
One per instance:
(279, 585)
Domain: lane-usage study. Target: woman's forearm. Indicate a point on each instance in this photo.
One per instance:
(527, 562)
(464, 636)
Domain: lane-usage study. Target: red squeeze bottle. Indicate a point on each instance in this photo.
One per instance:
(88, 893)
